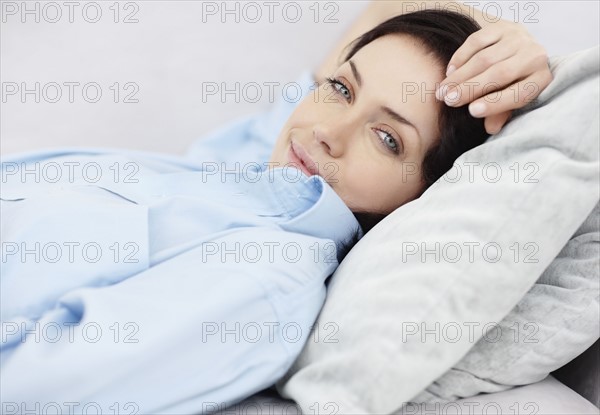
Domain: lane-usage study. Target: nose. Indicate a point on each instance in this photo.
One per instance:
(333, 135)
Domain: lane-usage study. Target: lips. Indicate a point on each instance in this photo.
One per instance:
(297, 155)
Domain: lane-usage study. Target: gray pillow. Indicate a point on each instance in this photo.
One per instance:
(417, 302)
(558, 319)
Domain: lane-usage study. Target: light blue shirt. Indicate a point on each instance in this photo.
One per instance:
(133, 281)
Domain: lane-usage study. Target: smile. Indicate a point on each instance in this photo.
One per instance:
(298, 156)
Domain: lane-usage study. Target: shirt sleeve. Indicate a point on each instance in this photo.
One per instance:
(199, 332)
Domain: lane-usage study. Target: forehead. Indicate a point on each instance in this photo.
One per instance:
(400, 54)
(400, 61)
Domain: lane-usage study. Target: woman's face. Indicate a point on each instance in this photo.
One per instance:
(367, 133)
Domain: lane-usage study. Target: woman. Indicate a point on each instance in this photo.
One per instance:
(416, 153)
(179, 247)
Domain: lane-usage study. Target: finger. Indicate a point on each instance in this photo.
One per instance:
(495, 78)
(473, 44)
(478, 64)
(515, 96)
(494, 123)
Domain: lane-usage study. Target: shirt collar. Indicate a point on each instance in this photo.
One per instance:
(315, 208)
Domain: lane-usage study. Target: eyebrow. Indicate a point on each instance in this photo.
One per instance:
(393, 114)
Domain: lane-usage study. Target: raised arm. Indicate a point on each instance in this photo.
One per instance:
(503, 53)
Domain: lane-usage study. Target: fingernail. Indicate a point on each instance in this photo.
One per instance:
(451, 97)
(440, 92)
(477, 108)
(450, 69)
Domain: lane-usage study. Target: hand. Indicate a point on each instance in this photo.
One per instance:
(498, 69)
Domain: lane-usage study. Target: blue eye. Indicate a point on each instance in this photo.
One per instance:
(340, 88)
(388, 141)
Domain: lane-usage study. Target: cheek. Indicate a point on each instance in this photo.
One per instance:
(304, 116)
(301, 121)
(361, 186)
(381, 190)
(322, 104)
(314, 108)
